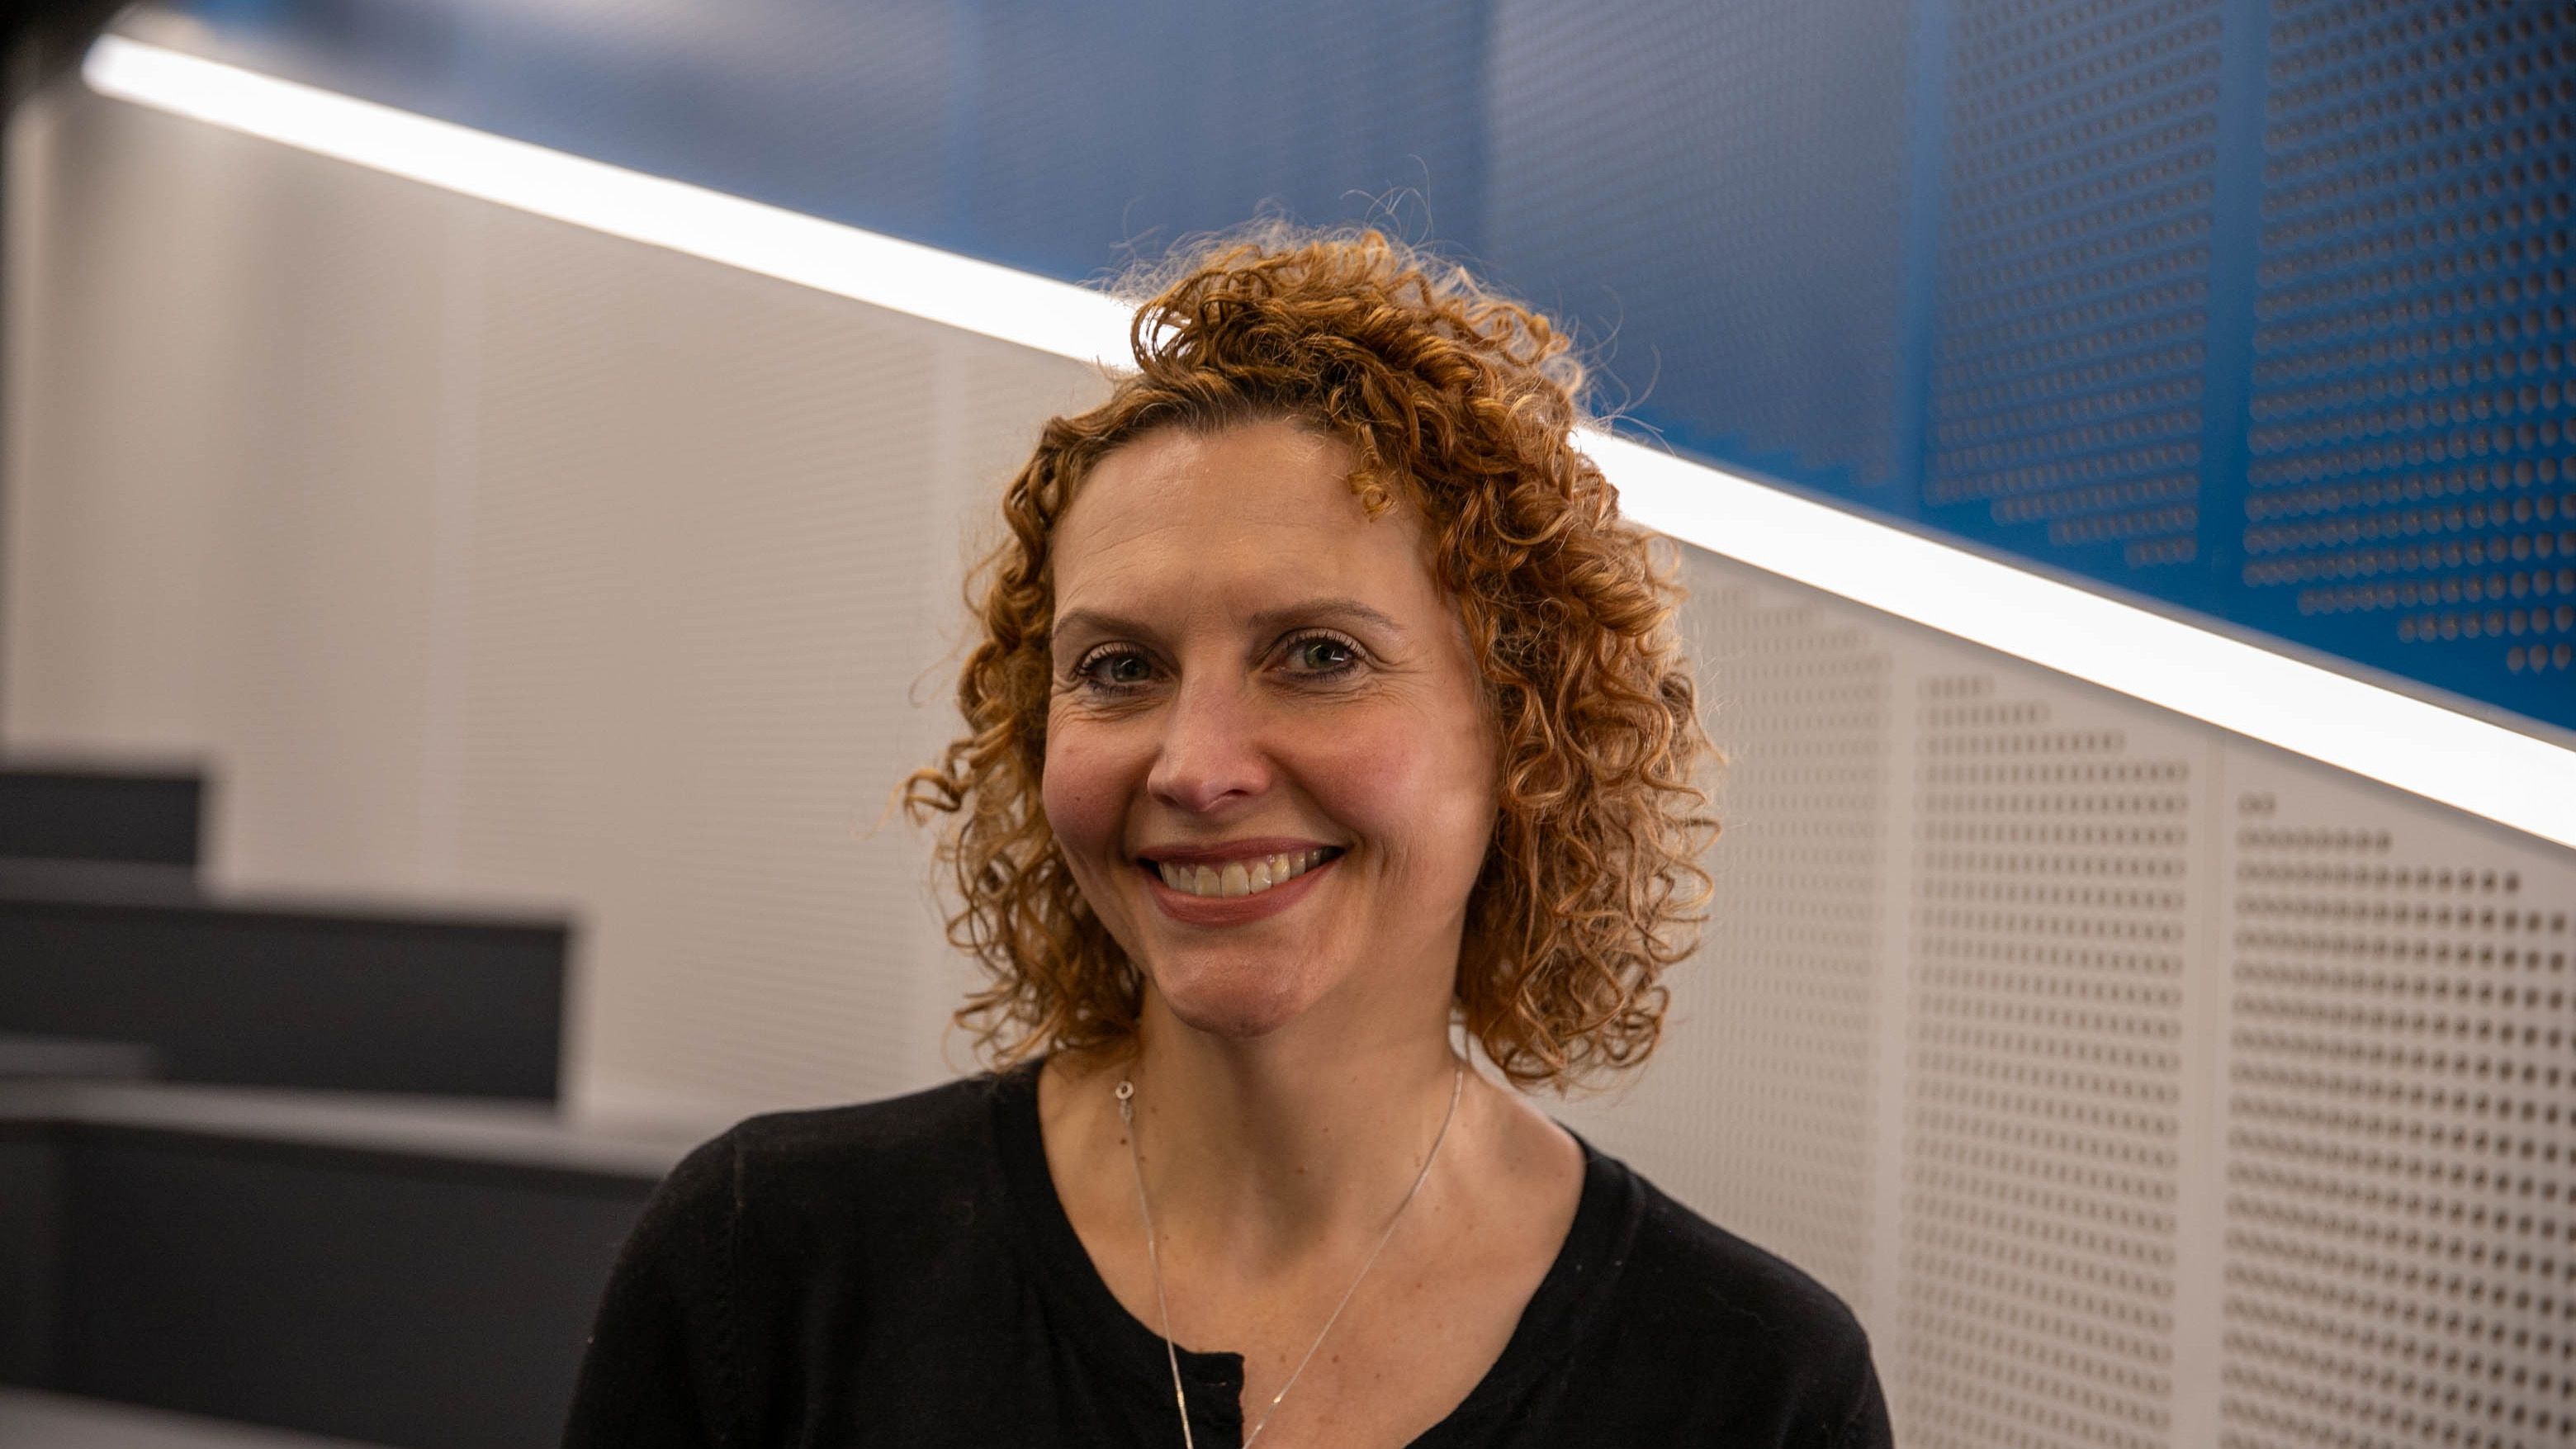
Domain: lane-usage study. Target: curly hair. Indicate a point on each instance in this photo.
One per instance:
(1457, 402)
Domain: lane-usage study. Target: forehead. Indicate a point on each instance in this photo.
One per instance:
(1253, 512)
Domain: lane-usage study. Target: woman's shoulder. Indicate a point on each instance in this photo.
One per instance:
(1705, 1296)
(929, 1123)
(1707, 1271)
(778, 1171)
(714, 1296)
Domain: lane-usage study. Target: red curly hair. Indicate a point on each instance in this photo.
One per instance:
(1459, 403)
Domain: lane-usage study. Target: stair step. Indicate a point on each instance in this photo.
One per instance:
(145, 817)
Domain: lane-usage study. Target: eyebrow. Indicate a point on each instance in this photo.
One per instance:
(1262, 622)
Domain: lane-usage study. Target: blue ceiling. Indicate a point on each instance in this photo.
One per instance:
(2253, 308)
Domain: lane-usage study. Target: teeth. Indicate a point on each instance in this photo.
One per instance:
(1239, 877)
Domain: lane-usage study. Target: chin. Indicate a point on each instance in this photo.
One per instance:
(1236, 1002)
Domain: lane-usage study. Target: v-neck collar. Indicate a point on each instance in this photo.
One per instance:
(1559, 1314)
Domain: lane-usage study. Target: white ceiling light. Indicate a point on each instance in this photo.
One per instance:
(2487, 769)
(2471, 764)
(926, 282)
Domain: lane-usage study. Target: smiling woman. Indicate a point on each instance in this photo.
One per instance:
(1325, 709)
(1250, 666)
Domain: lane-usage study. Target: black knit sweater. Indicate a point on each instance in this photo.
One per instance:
(902, 1274)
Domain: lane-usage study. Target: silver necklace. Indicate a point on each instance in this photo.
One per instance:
(1153, 1255)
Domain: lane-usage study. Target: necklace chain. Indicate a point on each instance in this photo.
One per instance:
(1154, 1257)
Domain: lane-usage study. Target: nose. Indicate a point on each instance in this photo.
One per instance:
(1212, 752)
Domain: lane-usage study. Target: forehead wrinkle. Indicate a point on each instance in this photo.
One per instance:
(1176, 527)
(1250, 562)
(1177, 599)
(1253, 520)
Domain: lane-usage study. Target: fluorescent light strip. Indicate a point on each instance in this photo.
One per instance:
(2487, 769)
(942, 287)
(2509, 777)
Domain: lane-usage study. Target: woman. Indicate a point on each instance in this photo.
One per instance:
(1324, 708)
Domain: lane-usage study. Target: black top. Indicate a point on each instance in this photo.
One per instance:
(902, 1273)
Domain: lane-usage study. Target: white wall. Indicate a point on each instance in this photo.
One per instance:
(2140, 1086)
(485, 560)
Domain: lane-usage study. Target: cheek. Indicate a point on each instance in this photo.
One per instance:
(1427, 802)
(1083, 793)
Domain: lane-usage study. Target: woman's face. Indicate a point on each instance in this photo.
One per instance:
(1268, 763)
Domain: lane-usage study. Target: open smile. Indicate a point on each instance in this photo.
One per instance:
(1246, 889)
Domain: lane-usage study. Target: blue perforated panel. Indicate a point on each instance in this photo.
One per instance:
(1716, 194)
(2410, 501)
(2258, 309)
(2078, 194)
(1060, 138)
(1087, 132)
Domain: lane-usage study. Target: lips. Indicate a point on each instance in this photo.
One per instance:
(1239, 877)
(1225, 864)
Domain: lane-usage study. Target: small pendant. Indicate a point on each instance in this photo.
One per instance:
(1126, 1101)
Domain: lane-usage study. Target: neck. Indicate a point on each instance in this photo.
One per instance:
(1272, 1147)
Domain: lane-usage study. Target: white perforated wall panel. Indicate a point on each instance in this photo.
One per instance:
(490, 560)
(2054, 870)
(1770, 1053)
(2400, 1260)
(224, 446)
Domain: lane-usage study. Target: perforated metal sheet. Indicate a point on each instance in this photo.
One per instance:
(683, 584)
(2400, 1125)
(1772, 1050)
(2413, 436)
(1716, 193)
(2076, 243)
(2256, 308)
(2051, 952)
(519, 565)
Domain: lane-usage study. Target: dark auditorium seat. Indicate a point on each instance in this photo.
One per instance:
(412, 1272)
(274, 1168)
(138, 817)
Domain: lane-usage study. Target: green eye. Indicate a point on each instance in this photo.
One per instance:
(1322, 654)
(1112, 670)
